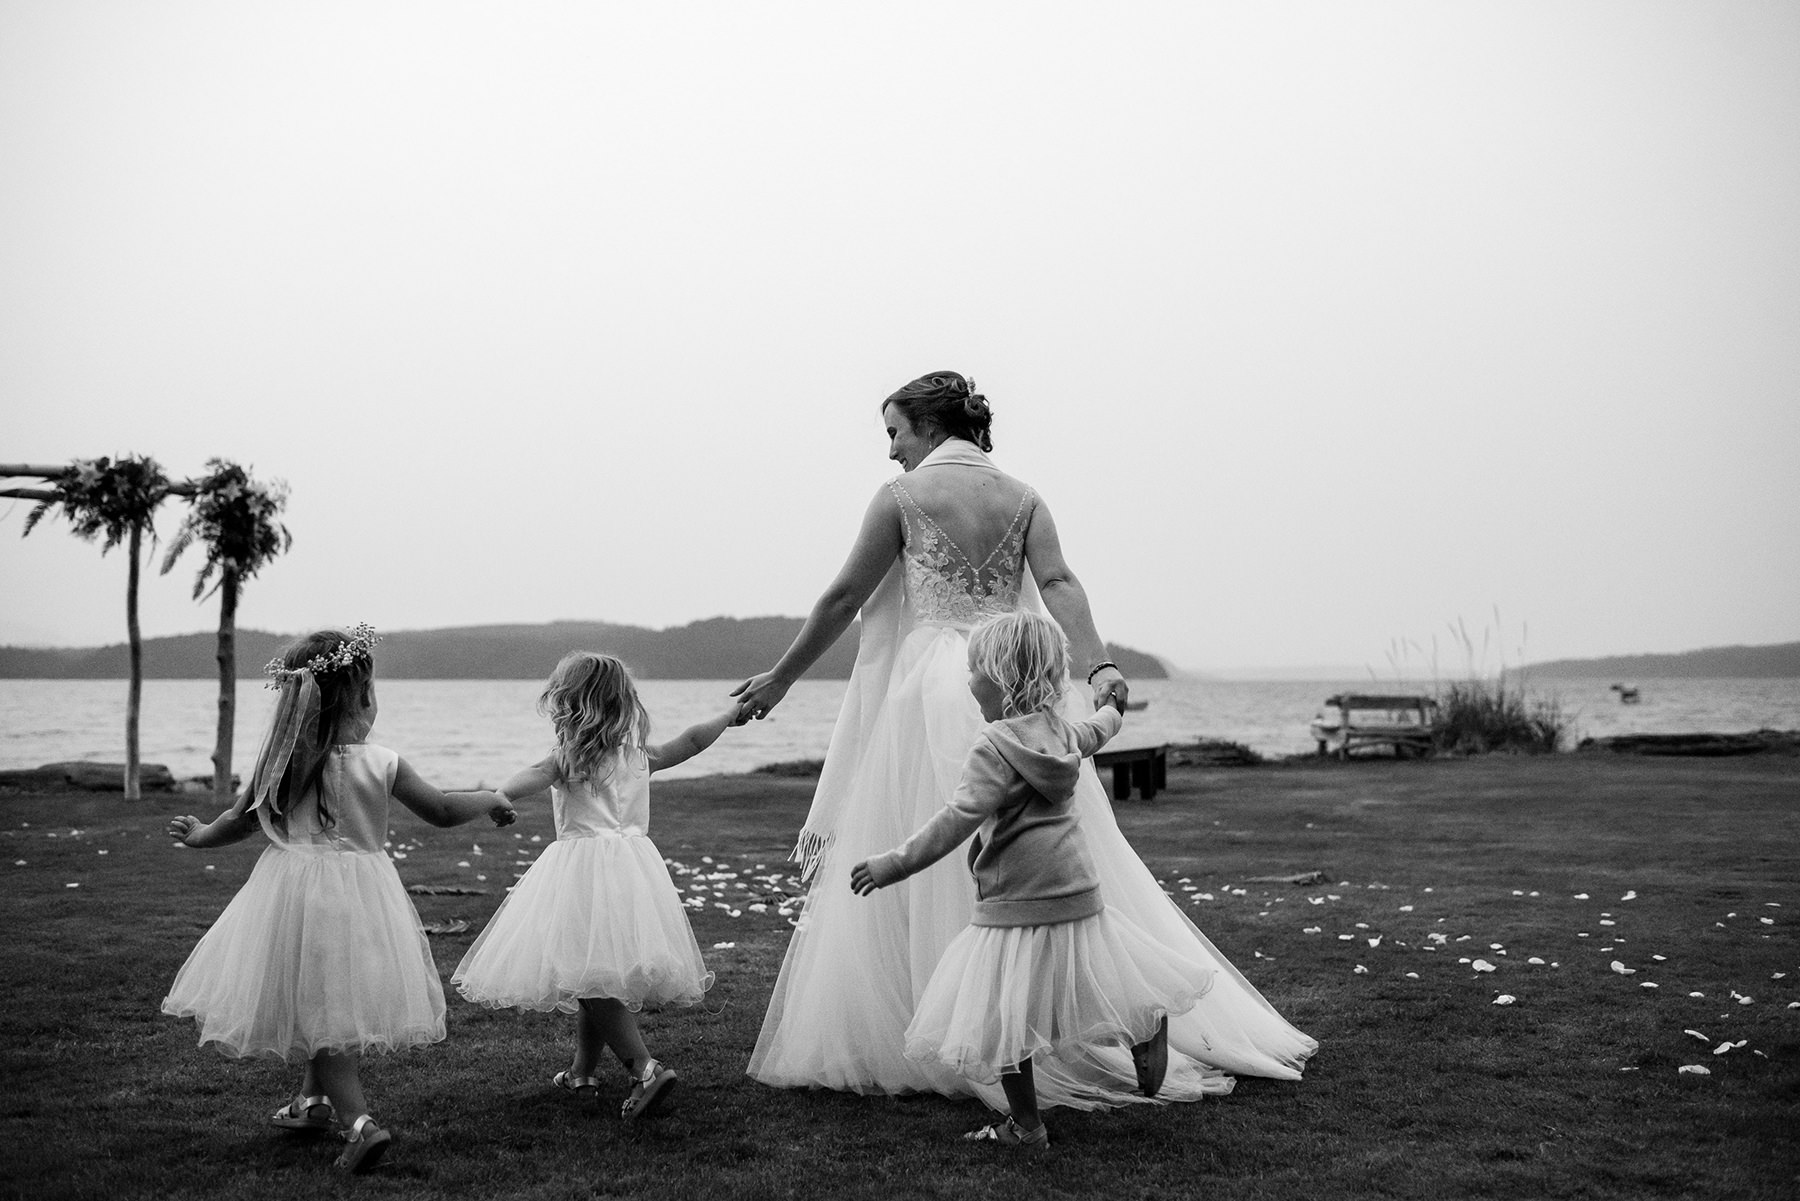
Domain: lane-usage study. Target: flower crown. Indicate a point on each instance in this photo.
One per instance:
(360, 646)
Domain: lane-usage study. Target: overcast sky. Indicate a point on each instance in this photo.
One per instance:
(1318, 326)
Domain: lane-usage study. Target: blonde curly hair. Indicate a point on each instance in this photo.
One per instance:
(1027, 656)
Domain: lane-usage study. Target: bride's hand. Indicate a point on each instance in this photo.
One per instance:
(759, 694)
(1110, 688)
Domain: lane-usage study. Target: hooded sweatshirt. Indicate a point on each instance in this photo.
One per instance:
(1029, 859)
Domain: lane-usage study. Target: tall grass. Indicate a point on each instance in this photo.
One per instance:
(1487, 711)
(1483, 715)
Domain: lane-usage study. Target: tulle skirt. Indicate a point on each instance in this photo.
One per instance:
(595, 916)
(319, 951)
(1002, 995)
(856, 968)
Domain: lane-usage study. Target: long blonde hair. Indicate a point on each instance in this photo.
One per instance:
(1027, 656)
(594, 707)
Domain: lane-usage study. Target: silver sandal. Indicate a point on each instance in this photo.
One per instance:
(649, 1089)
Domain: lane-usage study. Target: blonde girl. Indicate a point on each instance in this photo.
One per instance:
(1045, 968)
(320, 957)
(595, 927)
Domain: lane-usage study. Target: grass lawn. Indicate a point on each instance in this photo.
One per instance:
(1685, 872)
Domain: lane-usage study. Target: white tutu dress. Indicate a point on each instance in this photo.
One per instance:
(856, 968)
(321, 950)
(596, 916)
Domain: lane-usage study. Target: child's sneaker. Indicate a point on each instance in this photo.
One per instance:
(649, 1089)
(1151, 1059)
(1010, 1134)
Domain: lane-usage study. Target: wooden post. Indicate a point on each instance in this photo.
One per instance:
(134, 693)
(228, 597)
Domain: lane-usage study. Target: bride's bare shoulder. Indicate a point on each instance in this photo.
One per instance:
(957, 484)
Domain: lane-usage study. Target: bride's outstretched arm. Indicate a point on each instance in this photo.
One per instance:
(877, 543)
(1067, 602)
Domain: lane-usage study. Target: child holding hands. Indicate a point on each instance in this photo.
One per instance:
(320, 955)
(596, 926)
(1045, 967)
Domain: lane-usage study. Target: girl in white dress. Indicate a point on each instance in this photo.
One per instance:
(953, 540)
(320, 956)
(1045, 967)
(596, 926)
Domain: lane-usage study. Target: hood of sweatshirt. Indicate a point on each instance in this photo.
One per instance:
(1034, 747)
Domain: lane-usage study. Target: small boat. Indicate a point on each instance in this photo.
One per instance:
(1627, 696)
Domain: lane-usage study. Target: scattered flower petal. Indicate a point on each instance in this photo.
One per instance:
(1622, 969)
(1505, 999)
(1412, 975)
(1722, 1048)
(1581, 896)
(1361, 970)
(1630, 895)
(1698, 1035)
(1694, 1069)
(1534, 959)
(1648, 984)
(1482, 965)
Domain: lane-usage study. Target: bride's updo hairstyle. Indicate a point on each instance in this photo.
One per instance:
(950, 402)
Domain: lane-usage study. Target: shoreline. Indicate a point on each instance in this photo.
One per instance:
(95, 776)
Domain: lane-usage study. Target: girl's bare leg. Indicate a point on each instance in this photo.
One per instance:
(337, 1075)
(605, 1022)
(1020, 1088)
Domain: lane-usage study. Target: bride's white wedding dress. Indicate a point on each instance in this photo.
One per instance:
(856, 965)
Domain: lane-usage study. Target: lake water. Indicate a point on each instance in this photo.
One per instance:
(464, 732)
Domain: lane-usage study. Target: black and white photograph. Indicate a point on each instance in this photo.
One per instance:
(1208, 594)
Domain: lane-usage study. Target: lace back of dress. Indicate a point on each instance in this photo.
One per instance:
(943, 583)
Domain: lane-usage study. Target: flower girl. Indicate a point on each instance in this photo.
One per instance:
(595, 926)
(1045, 965)
(320, 956)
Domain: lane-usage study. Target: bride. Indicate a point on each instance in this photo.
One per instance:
(953, 540)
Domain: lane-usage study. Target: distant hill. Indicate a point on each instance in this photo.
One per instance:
(719, 648)
(1778, 660)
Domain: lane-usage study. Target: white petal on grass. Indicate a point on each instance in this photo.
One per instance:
(1505, 999)
(1694, 1069)
(1630, 895)
(1412, 975)
(1535, 960)
(1376, 941)
(1660, 958)
(1697, 994)
(1311, 929)
(1722, 1048)
(1361, 970)
(1648, 984)
(1482, 965)
(1581, 896)
(1406, 909)
(1622, 969)
(1698, 1035)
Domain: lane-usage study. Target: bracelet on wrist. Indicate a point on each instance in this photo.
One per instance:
(1097, 668)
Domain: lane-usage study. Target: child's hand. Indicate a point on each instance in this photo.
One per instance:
(181, 827)
(862, 880)
(740, 716)
(503, 813)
